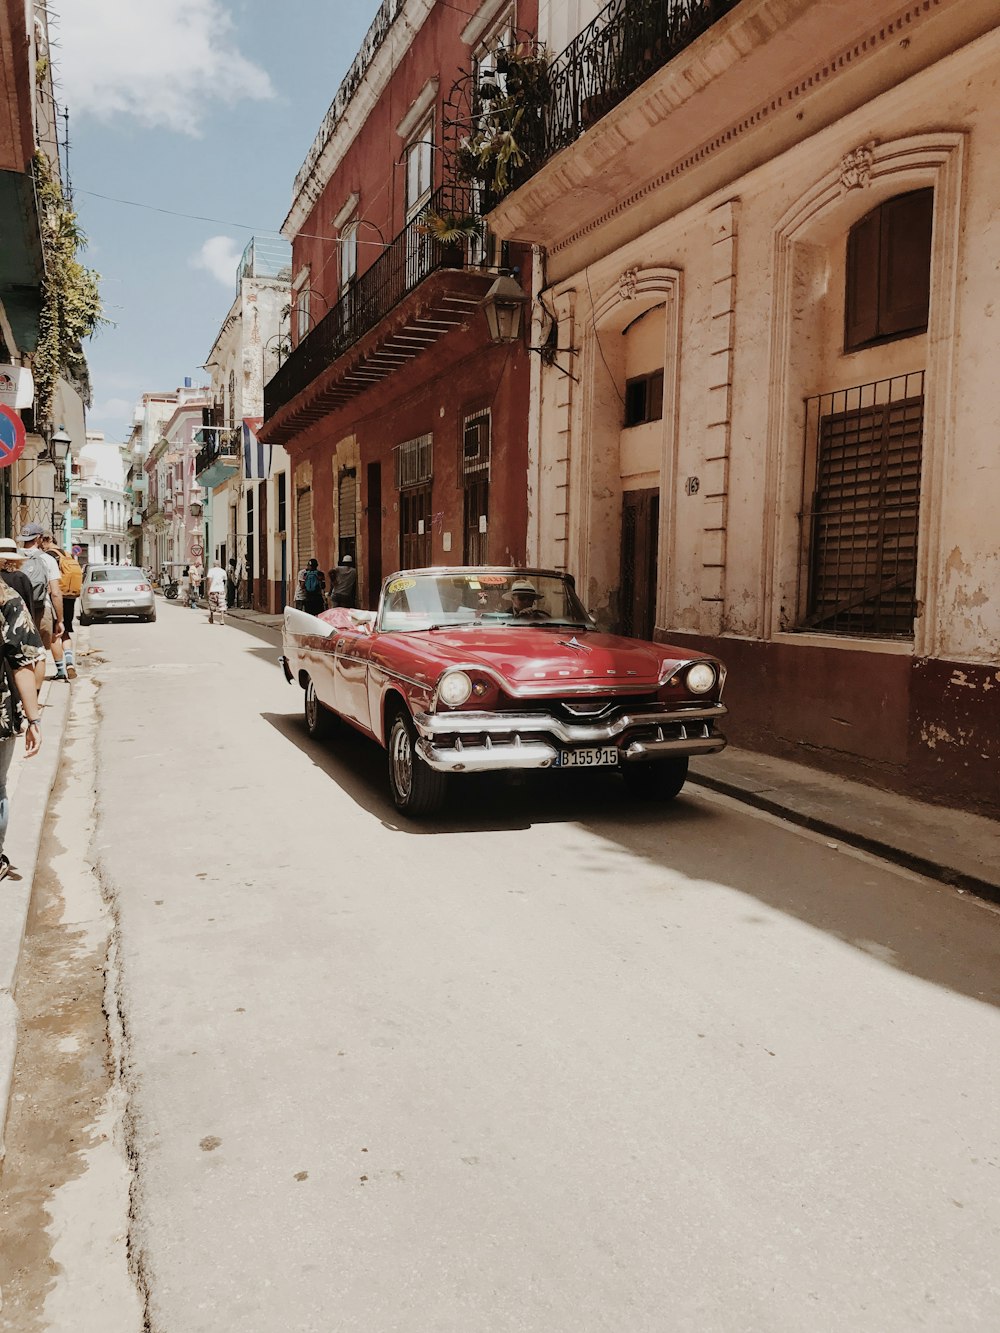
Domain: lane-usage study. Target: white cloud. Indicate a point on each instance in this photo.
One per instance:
(159, 62)
(112, 409)
(220, 256)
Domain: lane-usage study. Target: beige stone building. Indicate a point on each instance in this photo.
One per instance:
(767, 294)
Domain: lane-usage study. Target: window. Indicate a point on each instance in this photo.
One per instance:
(231, 421)
(348, 254)
(302, 319)
(414, 472)
(282, 505)
(644, 398)
(414, 461)
(861, 524)
(476, 486)
(888, 271)
(419, 168)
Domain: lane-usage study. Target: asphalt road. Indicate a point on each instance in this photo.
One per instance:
(548, 1063)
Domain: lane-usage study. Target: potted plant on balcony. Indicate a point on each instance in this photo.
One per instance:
(452, 231)
(508, 122)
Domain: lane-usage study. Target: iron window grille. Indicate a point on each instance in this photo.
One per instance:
(414, 462)
(476, 444)
(861, 506)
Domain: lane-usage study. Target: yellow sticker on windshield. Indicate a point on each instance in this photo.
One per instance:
(400, 585)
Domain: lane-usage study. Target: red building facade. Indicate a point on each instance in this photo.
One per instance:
(406, 426)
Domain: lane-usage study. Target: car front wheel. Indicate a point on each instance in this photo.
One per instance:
(319, 722)
(416, 789)
(655, 779)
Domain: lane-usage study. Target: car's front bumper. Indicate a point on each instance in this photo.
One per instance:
(459, 742)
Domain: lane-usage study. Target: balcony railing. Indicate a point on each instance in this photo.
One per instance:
(615, 54)
(221, 446)
(405, 262)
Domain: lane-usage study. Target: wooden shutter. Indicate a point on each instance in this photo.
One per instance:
(303, 527)
(866, 511)
(905, 270)
(861, 312)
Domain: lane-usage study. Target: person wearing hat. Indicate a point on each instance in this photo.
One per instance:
(523, 598)
(344, 583)
(47, 605)
(22, 649)
(11, 573)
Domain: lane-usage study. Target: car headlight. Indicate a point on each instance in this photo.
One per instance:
(700, 678)
(454, 689)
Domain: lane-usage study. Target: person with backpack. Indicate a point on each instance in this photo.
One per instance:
(312, 587)
(70, 583)
(46, 598)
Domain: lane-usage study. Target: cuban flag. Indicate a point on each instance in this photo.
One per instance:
(256, 456)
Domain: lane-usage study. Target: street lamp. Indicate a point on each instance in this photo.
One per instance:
(60, 443)
(503, 305)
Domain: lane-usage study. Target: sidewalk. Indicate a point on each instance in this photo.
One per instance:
(947, 845)
(29, 785)
(257, 618)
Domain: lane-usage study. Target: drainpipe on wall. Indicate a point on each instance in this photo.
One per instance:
(535, 367)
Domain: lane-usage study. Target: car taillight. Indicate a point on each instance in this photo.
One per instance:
(94, 591)
(142, 587)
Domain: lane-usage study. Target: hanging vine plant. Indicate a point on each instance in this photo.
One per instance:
(504, 121)
(71, 300)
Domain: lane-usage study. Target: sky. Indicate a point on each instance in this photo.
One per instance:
(203, 107)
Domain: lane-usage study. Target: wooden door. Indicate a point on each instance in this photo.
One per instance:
(640, 548)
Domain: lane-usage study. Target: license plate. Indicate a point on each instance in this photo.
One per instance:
(591, 756)
(121, 603)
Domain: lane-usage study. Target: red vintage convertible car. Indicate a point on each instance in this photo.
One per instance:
(467, 670)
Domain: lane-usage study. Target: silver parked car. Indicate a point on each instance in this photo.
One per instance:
(115, 590)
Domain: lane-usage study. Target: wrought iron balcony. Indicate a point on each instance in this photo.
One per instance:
(405, 262)
(615, 54)
(221, 446)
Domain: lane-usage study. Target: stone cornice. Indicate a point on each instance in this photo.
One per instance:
(595, 167)
(385, 44)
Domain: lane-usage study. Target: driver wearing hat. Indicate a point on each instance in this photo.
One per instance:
(523, 597)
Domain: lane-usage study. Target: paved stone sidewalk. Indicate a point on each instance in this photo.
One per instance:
(956, 848)
(30, 784)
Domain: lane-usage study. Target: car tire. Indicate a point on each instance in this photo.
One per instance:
(655, 779)
(319, 720)
(416, 788)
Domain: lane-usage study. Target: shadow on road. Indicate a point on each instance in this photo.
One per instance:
(916, 926)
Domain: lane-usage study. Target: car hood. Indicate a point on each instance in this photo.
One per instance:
(530, 656)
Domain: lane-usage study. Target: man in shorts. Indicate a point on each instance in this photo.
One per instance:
(215, 587)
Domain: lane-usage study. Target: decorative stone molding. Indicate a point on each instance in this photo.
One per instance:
(856, 167)
(627, 284)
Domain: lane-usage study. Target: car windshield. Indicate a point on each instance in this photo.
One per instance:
(480, 598)
(126, 574)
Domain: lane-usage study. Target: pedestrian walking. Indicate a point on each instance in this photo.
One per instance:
(197, 575)
(312, 587)
(215, 589)
(22, 649)
(70, 584)
(344, 583)
(231, 582)
(12, 559)
(46, 607)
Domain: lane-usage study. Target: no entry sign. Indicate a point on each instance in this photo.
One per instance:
(11, 436)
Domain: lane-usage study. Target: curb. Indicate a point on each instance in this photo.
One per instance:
(34, 783)
(939, 870)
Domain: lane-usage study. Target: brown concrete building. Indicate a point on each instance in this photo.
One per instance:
(405, 425)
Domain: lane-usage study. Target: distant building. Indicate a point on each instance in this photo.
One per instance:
(173, 532)
(246, 488)
(101, 510)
